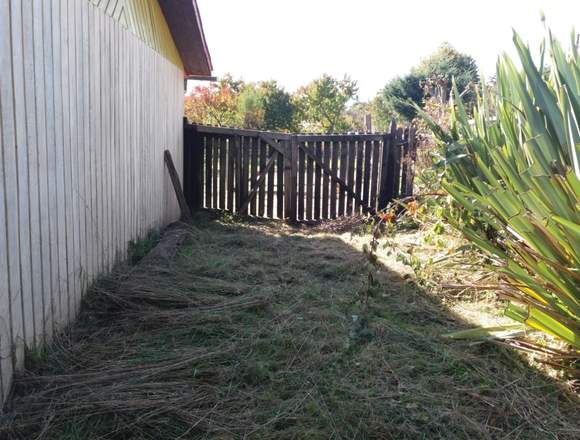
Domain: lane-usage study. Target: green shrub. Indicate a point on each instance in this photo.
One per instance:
(514, 168)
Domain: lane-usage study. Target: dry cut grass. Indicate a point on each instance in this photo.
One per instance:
(257, 330)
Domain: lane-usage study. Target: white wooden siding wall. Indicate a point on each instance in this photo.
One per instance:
(86, 110)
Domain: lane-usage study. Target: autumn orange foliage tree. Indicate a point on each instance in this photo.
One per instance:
(265, 105)
(216, 104)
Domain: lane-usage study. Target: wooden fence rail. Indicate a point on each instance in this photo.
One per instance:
(296, 176)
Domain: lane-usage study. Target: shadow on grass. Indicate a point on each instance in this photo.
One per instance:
(257, 330)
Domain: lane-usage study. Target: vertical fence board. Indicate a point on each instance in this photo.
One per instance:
(188, 165)
(350, 174)
(280, 187)
(262, 191)
(376, 146)
(367, 171)
(215, 171)
(404, 163)
(239, 171)
(231, 174)
(301, 184)
(194, 168)
(270, 188)
(309, 183)
(383, 196)
(294, 170)
(208, 148)
(255, 151)
(206, 170)
(223, 171)
(334, 188)
(343, 175)
(388, 177)
(288, 180)
(410, 158)
(322, 187)
(246, 157)
(397, 163)
(359, 169)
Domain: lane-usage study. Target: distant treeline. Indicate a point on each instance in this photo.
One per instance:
(329, 104)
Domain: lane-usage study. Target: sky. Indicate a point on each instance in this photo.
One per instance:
(296, 41)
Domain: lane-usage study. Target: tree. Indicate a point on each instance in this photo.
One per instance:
(236, 85)
(447, 64)
(251, 107)
(279, 110)
(356, 116)
(266, 106)
(215, 104)
(431, 77)
(320, 106)
(397, 98)
(322, 103)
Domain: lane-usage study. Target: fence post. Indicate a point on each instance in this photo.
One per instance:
(192, 163)
(388, 166)
(410, 157)
(404, 162)
(290, 171)
(187, 162)
(198, 158)
(383, 193)
(396, 158)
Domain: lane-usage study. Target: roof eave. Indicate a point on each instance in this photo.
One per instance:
(184, 21)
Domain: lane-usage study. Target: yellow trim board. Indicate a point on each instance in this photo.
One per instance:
(145, 19)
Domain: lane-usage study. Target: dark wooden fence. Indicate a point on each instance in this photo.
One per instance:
(296, 177)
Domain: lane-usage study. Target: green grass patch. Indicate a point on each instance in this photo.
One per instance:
(257, 330)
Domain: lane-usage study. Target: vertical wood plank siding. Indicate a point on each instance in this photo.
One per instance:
(86, 111)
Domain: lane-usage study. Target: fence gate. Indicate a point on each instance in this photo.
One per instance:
(296, 177)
